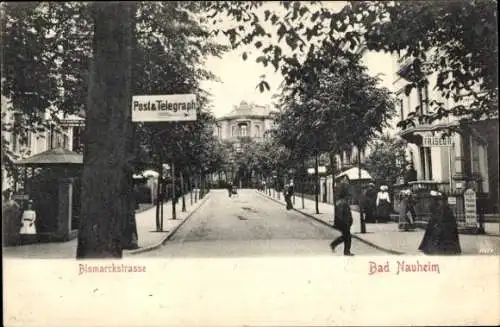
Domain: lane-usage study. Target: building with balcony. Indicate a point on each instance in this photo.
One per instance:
(466, 159)
(246, 120)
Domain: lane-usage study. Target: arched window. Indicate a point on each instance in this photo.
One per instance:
(257, 131)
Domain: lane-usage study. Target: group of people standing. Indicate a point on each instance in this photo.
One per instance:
(19, 225)
(441, 234)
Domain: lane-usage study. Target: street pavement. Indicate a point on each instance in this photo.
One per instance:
(254, 223)
(387, 236)
(249, 225)
(148, 237)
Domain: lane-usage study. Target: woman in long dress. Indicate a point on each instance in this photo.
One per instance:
(383, 204)
(441, 234)
(28, 227)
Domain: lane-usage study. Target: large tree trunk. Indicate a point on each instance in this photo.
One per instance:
(108, 130)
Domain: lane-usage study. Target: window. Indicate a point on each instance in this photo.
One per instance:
(243, 130)
(423, 96)
(257, 131)
(77, 138)
(233, 131)
(401, 109)
(66, 142)
(28, 139)
(14, 141)
(52, 137)
(426, 162)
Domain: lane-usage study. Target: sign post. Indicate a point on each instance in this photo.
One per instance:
(470, 208)
(161, 108)
(165, 108)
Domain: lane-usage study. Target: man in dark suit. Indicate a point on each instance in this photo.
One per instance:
(343, 220)
(368, 203)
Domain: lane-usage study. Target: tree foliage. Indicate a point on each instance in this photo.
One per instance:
(387, 160)
(345, 108)
(456, 40)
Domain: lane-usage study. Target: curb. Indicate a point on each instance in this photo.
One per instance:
(327, 224)
(172, 232)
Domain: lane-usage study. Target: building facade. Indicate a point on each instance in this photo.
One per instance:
(64, 134)
(246, 120)
(466, 159)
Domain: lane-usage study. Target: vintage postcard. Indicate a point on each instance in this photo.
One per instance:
(250, 163)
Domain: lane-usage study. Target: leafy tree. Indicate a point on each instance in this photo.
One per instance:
(387, 160)
(456, 40)
(342, 108)
(54, 44)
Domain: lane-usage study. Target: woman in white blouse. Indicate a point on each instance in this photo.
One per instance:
(383, 204)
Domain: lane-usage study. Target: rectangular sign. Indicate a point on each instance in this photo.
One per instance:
(452, 200)
(157, 108)
(470, 207)
(20, 197)
(436, 141)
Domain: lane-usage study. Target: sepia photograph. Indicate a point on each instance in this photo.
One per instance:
(230, 159)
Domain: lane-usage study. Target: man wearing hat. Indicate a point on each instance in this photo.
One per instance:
(343, 220)
(407, 212)
(368, 205)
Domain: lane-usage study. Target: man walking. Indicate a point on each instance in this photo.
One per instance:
(343, 221)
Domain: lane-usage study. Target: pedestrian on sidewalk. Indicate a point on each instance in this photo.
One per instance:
(407, 211)
(369, 206)
(288, 196)
(229, 188)
(441, 234)
(383, 203)
(11, 219)
(28, 228)
(343, 220)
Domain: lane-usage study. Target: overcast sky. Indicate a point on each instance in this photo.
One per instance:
(239, 78)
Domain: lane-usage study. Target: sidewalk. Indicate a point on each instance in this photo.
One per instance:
(387, 237)
(148, 238)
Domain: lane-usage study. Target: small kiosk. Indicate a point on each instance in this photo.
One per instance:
(357, 179)
(52, 182)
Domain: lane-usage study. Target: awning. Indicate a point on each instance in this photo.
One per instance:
(57, 156)
(146, 174)
(353, 174)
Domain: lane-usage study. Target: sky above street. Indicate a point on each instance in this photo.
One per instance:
(239, 78)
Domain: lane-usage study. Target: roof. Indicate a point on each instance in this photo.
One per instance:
(353, 174)
(247, 109)
(56, 156)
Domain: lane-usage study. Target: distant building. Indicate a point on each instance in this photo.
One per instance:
(246, 120)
